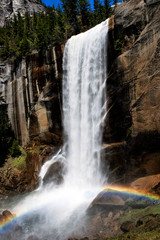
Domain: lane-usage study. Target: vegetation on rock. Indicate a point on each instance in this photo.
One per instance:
(18, 162)
(153, 235)
(7, 141)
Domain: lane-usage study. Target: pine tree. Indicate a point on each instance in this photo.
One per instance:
(98, 15)
(27, 24)
(108, 9)
(115, 2)
(42, 37)
(20, 28)
(71, 12)
(96, 5)
(60, 32)
(84, 9)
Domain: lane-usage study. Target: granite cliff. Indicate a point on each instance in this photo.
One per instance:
(134, 90)
(32, 90)
(9, 8)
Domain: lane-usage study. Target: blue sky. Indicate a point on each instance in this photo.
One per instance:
(56, 2)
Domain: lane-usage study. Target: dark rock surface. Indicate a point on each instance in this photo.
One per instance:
(54, 174)
(133, 81)
(107, 201)
(32, 89)
(127, 226)
(133, 91)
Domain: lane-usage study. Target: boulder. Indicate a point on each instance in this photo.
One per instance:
(106, 201)
(54, 174)
(149, 184)
(2, 219)
(7, 213)
(32, 237)
(127, 226)
(48, 138)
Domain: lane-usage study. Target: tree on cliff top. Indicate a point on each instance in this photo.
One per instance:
(84, 11)
(23, 34)
(71, 11)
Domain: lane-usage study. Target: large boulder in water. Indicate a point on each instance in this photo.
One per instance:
(107, 201)
(54, 173)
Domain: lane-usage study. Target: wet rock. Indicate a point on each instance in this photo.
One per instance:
(54, 174)
(139, 223)
(114, 157)
(127, 226)
(6, 216)
(33, 168)
(33, 237)
(17, 232)
(73, 239)
(7, 236)
(49, 138)
(7, 213)
(2, 219)
(107, 201)
(104, 214)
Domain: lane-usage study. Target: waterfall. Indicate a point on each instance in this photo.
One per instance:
(57, 211)
(84, 103)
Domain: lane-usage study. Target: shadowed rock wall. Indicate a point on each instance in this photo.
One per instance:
(32, 90)
(133, 89)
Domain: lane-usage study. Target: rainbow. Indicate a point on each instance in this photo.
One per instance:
(8, 223)
(131, 192)
(120, 190)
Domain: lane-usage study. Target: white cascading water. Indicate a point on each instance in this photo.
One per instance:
(59, 209)
(84, 104)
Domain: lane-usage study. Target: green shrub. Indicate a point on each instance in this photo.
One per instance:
(18, 162)
(118, 45)
(14, 150)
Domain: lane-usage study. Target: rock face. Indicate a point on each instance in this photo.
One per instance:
(135, 72)
(114, 213)
(133, 85)
(32, 90)
(141, 65)
(54, 174)
(10, 7)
